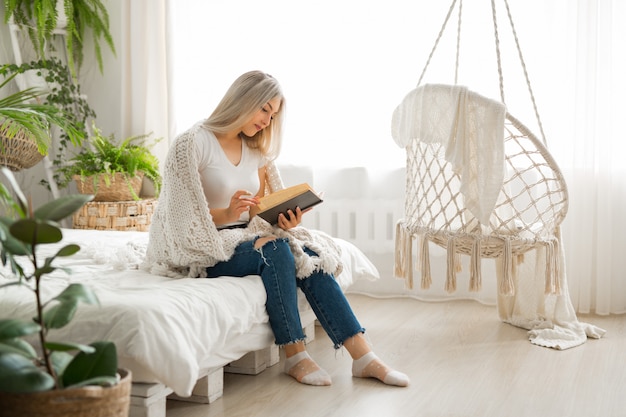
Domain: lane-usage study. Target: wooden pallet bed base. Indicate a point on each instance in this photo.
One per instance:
(149, 400)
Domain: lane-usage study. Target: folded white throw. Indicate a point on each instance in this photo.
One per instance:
(469, 126)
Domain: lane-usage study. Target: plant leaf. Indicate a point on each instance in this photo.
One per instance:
(7, 200)
(67, 250)
(101, 363)
(15, 268)
(46, 269)
(78, 292)
(60, 360)
(65, 346)
(62, 207)
(19, 346)
(19, 195)
(104, 381)
(18, 374)
(36, 232)
(60, 314)
(12, 328)
(12, 245)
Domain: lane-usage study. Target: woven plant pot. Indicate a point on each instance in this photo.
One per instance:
(119, 188)
(91, 401)
(115, 215)
(19, 152)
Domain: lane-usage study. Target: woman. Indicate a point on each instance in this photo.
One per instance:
(214, 174)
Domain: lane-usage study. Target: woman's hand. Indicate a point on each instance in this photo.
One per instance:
(240, 202)
(292, 219)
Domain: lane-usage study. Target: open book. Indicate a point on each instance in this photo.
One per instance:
(301, 195)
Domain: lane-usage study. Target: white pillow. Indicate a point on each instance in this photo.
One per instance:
(356, 265)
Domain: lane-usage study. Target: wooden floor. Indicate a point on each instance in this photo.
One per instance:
(462, 361)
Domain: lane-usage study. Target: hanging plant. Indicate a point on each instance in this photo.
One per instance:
(25, 126)
(62, 93)
(40, 19)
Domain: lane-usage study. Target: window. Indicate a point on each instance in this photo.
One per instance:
(343, 65)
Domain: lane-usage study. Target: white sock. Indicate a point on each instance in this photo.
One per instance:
(361, 369)
(295, 368)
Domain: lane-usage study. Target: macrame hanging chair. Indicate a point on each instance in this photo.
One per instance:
(478, 182)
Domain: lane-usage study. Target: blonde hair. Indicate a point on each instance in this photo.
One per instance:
(249, 93)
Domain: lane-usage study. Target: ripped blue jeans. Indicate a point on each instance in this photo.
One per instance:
(275, 263)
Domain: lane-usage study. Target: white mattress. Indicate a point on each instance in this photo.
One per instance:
(165, 330)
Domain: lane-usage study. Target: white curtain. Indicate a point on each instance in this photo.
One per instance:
(345, 66)
(143, 53)
(591, 148)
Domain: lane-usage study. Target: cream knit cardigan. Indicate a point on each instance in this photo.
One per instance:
(184, 241)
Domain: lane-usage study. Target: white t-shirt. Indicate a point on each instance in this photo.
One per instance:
(220, 178)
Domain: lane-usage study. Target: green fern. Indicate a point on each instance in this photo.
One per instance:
(107, 157)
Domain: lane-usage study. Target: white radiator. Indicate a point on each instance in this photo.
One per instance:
(360, 205)
(368, 224)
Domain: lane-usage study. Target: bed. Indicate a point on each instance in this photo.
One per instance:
(174, 335)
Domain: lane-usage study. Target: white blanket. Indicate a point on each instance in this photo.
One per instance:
(550, 319)
(166, 330)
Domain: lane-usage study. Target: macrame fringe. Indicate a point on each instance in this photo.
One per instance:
(399, 267)
(475, 267)
(558, 262)
(403, 262)
(553, 268)
(506, 284)
(458, 265)
(424, 262)
(452, 266)
(549, 278)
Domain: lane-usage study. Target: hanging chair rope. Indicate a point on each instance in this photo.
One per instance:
(523, 63)
(497, 40)
(432, 51)
(498, 57)
(458, 43)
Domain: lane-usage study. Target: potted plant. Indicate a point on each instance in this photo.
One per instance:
(113, 171)
(61, 92)
(32, 380)
(42, 19)
(25, 126)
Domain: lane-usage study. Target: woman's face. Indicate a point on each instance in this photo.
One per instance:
(262, 118)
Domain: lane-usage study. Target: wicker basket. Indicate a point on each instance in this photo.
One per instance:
(115, 215)
(91, 401)
(117, 190)
(19, 152)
